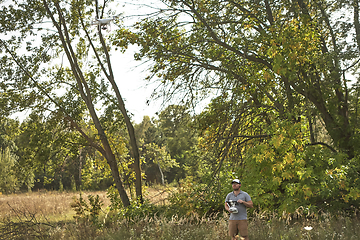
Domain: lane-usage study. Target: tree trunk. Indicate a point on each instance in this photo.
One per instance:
(129, 125)
(80, 166)
(85, 93)
(162, 175)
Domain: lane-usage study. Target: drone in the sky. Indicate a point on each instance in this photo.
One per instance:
(104, 23)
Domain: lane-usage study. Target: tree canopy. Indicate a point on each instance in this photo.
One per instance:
(282, 73)
(55, 62)
(292, 58)
(282, 77)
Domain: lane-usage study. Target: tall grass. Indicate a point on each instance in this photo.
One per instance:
(324, 226)
(215, 228)
(36, 216)
(53, 205)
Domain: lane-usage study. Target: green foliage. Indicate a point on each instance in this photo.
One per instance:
(47, 152)
(286, 174)
(34, 78)
(168, 145)
(157, 163)
(285, 117)
(114, 197)
(135, 211)
(203, 197)
(87, 212)
(138, 210)
(9, 128)
(95, 174)
(179, 135)
(8, 178)
(52, 157)
(194, 198)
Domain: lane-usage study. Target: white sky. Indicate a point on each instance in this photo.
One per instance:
(129, 76)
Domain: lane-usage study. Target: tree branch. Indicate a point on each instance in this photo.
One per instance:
(323, 144)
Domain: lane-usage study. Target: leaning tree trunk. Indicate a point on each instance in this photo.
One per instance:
(85, 93)
(130, 128)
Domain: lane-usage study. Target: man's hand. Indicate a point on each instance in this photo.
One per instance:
(227, 208)
(248, 204)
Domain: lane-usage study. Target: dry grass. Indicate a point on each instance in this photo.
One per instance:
(158, 194)
(56, 205)
(45, 203)
(49, 215)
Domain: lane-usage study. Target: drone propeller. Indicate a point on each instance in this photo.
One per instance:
(102, 21)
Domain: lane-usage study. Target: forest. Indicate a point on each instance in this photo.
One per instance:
(281, 78)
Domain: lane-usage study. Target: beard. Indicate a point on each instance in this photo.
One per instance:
(236, 188)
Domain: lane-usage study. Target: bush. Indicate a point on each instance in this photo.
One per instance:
(197, 198)
(87, 212)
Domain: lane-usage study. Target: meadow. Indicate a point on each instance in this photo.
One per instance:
(49, 215)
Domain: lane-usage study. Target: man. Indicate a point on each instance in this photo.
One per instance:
(238, 219)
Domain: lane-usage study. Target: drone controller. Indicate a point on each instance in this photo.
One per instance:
(232, 207)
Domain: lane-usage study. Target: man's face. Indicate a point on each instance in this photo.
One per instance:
(236, 186)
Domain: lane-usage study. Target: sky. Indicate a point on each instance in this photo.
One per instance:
(129, 74)
(136, 92)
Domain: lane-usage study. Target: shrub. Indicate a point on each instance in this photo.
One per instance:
(87, 212)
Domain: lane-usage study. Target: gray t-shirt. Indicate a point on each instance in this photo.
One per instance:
(242, 214)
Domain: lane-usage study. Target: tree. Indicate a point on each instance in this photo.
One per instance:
(179, 136)
(21, 174)
(8, 131)
(8, 179)
(246, 48)
(271, 65)
(32, 83)
(157, 162)
(156, 158)
(45, 148)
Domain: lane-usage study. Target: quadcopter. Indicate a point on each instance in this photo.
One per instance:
(104, 23)
(232, 207)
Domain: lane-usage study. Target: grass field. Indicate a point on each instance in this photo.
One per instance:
(58, 204)
(53, 205)
(48, 215)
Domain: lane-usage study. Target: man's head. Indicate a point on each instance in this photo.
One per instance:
(236, 184)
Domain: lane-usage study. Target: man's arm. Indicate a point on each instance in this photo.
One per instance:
(248, 204)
